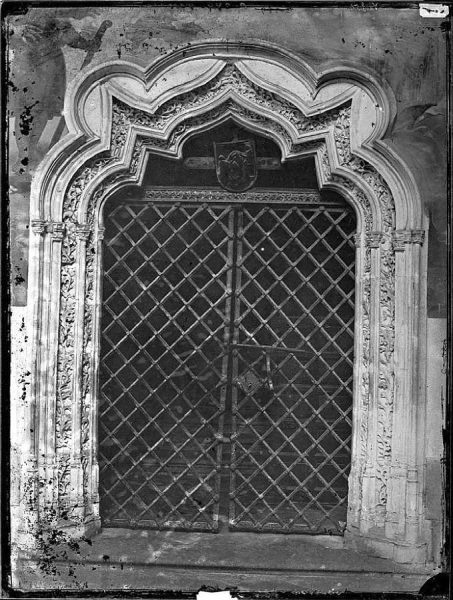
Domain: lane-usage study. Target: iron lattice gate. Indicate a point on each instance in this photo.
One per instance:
(226, 366)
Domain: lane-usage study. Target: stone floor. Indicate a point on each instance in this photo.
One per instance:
(120, 559)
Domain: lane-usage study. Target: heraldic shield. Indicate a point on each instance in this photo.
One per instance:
(235, 164)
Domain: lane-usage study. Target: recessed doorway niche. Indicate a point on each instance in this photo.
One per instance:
(226, 367)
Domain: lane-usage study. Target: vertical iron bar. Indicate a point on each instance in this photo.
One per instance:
(224, 499)
(235, 364)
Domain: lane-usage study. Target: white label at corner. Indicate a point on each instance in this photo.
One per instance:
(436, 11)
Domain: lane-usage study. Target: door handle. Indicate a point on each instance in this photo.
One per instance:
(249, 381)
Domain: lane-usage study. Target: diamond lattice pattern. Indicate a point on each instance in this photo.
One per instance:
(292, 408)
(163, 354)
(245, 307)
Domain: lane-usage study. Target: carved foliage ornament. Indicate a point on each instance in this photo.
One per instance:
(267, 104)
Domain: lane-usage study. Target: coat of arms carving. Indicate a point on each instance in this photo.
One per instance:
(235, 164)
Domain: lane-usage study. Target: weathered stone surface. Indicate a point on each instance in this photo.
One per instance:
(392, 511)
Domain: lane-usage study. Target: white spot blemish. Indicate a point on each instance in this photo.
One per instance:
(214, 595)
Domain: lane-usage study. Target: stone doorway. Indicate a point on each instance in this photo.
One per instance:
(66, 218)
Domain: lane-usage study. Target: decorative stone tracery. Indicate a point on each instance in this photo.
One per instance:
(71, 459)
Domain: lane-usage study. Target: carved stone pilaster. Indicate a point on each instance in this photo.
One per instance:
(402, 237)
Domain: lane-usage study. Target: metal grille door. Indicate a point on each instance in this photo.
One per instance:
(292, 406)
(226, 366)
(163, 358)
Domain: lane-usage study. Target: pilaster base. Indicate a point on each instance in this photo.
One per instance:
(76, 529)
(412, 556)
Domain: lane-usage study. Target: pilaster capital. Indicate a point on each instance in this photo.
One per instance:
(402, 237)
(100, 233)
(39, 226)
(82, 232)
(373, 239)
(412, 474)
(56, 230)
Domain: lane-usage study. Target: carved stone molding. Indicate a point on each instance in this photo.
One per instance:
(92, 177)
(283, 196)
(402, 237)
(82, 232)
(39, 226)
(54, 228)
(337, 120)
(373, 239)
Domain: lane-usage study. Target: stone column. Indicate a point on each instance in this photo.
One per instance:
(23, 418)
(92, 517)
(49, 337)
(370, 483)
(39, 489)
(360, 384)
(76, 492)
(404, 511)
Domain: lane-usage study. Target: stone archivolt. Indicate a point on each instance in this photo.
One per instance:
(135, 133)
